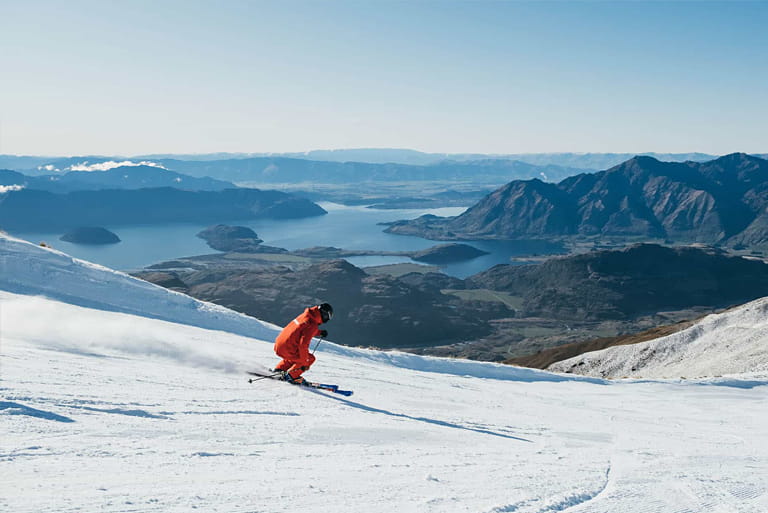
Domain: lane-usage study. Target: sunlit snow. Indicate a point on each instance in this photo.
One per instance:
(121, 396)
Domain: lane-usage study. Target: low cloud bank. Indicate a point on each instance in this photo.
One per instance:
(110, 164)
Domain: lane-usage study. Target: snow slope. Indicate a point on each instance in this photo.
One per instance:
(732, 342)
(116, 395)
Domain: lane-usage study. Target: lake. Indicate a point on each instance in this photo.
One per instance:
(347, 227)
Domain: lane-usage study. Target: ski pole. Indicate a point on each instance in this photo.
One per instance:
(251, 380)
(320, 339)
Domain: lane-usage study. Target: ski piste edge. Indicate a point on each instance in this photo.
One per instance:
(309, 384)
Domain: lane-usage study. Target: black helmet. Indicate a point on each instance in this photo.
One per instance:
(326, 312)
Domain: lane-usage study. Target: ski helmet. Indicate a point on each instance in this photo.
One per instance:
(326, 312)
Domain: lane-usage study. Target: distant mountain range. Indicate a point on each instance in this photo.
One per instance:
(584, 161)
(721, 201)
(123, 177)
(36, 210)
(348, 165)
(267, 170)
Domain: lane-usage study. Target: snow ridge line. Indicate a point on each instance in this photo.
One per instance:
(561, 504)
(577, 499)
(31, 270)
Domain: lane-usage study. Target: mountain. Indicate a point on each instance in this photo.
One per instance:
(623, 284)
(721, 201)
(34, 210)
(132, 177)
(283, 169)
(297, 170)
(382, 310)
(8, 177)
(580, 161)
(123, 177)
(584, 161)
(727, 343)
(506, 312)
(119, 395)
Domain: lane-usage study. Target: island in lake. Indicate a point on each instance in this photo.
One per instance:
(241, 239)
(90, 235)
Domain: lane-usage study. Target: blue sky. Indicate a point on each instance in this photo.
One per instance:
(441, 76)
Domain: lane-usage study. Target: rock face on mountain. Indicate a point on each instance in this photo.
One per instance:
(90, 235)
(622, 284)
(720, 201)
(377, 310)
(33, 210)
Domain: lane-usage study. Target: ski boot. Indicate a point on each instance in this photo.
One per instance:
(294, 381)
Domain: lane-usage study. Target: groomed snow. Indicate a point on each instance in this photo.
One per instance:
(106, 409)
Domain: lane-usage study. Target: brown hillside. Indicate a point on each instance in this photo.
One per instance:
(544, 359)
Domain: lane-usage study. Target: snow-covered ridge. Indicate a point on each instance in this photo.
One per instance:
(29, 269)
(732, 342)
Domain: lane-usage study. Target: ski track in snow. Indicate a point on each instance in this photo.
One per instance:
(135, 399)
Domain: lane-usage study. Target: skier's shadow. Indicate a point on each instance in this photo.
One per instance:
(435, 422)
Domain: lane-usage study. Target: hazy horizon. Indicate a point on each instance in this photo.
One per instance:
(455, 77)
(247, 154)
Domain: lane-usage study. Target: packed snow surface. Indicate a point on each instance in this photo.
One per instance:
(732, 342)
(121, 396)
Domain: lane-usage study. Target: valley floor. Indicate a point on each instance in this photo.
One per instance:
(106, 411)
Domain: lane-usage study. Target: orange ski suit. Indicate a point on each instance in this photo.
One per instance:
(292, 344)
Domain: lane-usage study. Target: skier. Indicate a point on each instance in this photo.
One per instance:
(292, 344)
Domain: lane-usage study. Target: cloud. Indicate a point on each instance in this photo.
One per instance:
(48, 167)
(10, 188)
(110, 164)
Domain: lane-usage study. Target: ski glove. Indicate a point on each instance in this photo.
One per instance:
(323, 333)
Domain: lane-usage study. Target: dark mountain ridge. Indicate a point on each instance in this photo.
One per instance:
(34, 210)
(123, 177)
(378, 310)
(506, 311)
(638, 280)
(715, 202)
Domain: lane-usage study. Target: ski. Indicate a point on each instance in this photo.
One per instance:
(309, 384)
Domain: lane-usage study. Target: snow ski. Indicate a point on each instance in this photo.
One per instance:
(320, 386)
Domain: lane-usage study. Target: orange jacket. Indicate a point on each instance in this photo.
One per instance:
(292, 343)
